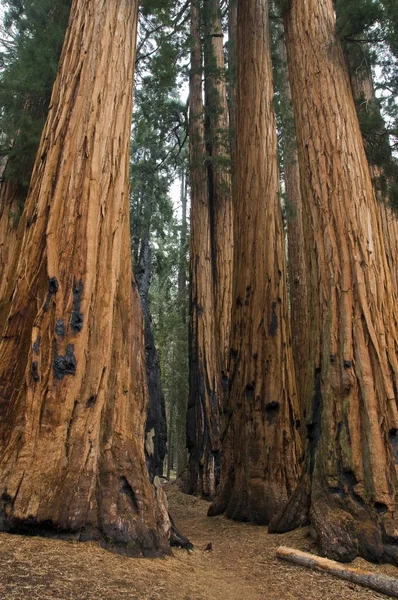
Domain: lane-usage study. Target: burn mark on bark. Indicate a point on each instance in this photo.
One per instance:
(350, 481)
(238, 302)
(76, 320)
(53, 288)
(271, 410)
(130, 493)
(250, 388)
(380, 507)
(30, 221)
(60, 328)
(64, 365)
(91, 401)
(274, 321)
(35, 371)
(393, 439)
(36, 346)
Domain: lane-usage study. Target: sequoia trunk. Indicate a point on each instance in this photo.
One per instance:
(72, 375)
(203, 438)
(349, 487)
(219, 179)
(295, 235)
(365, 99)
(261, 450)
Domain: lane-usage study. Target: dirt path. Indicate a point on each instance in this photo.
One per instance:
(241, 566)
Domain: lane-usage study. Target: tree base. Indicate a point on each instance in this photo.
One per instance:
(345, 528)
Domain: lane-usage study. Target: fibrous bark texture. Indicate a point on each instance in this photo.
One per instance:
(72, 374)
(350, 484)
(219, 178)
(156, 425)
(203, 436)
(295, 235)
(11, 202)
(365, 99)
(261, 450)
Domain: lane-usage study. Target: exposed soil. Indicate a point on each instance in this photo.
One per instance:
(240, 566)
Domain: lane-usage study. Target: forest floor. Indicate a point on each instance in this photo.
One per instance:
(240, 566)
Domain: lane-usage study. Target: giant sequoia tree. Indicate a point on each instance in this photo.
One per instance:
(261, 449)
(349, 488)
(216, 228)
(203, 435)
(72, 405)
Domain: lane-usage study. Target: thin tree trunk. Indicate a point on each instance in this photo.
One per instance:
(156, 425)
(295, 233)
(73, 404)
(262, 471)
(203, 436)
(182, 398)
(349, 487)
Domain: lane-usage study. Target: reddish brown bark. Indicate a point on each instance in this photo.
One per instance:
(300, 322)
(203, 435)
(348, 490)
(261, 450)
(72, 383)
(11, 203)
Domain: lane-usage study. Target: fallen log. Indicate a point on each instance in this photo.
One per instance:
(379, 583)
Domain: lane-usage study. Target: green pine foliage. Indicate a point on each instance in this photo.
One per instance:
(158, 156)
(35, 32)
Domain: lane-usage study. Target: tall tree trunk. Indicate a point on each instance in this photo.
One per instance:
(156, 425)
(203, 436)
(219, 179)
(295, 234)
(72, 375)
(262, 471)
(365, 99)
(11, 232)
(182, 398)
(349, 487)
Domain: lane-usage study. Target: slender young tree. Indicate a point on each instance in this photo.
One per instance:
(348, 490)
(203, 435)
(72, 407)
(262, 448)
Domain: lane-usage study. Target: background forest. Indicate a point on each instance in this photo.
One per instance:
(270, 333)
